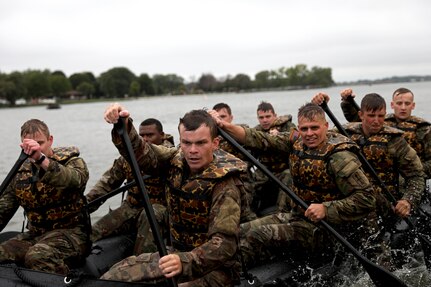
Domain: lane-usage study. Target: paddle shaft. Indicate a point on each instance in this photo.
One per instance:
(21, 159)
(120, 128)
(380, 276)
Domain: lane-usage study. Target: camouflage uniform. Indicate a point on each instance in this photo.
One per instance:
(277, 164)
(125, 219)
(53, 201)
(391, 156)
(203, 212)
(417, 132)
(331, 175)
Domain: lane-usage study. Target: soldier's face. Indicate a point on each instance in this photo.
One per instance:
(224, 115)
(313, 132)
(198, 147)
(150, 134)
(266, 118)
(44, 141)
(372, 121)
(403, 105)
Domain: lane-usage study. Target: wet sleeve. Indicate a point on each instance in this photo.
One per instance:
(350, 112)
(73, 175)
(410, 167)
(223, 234)
(111, 179)
(359, 198)
(264, 141)
(425, 136)
(8, 205)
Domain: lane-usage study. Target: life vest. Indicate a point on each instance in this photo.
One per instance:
(276, 162)
(155, 187)
(189, 199)
(46, 206)
(375, 150)
(311, 177)
(410, 128)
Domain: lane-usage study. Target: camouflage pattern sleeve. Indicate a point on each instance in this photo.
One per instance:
(410, 167)
(264, 141)
(352, 182)
(425, 135)
(110, 180)
(73, 175)
(152, 159)
(223, 233)
(8, 205)
(350, 112)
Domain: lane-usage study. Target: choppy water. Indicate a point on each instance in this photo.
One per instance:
(83, 125)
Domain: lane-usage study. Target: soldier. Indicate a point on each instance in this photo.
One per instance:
(127, 217)
(389, 154)
(202, 191)
(417, 131)
(335, 188)
(49, 186)
(266, 191)
(224, 111)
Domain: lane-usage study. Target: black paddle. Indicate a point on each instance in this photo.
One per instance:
(21, 159)
(120, 128)
(425, 241)
(380, 276)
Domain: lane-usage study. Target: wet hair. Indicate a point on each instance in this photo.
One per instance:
(373, 102)
(401, 91)
(33, 126)
(220, 106)
(265, 107)
(196, 118)
(311, 112)
(151, 121)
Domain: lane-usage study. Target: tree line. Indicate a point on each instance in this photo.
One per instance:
(120, 82)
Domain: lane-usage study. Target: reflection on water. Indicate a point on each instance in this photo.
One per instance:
(83, 125)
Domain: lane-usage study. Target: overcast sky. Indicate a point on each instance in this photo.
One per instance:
(358, 39)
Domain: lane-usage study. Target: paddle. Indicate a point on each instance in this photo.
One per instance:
(21, 159)
(425, 242)
(120, 128)
(380, 276)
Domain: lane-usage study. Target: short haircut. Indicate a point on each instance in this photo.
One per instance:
(220, 106)
(196, 118)
(401, 91)
(33, 126)
(311, 112)
(265, 107)
(373, 102)
(151, 121)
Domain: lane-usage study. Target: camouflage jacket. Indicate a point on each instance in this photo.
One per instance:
(390, 155)
(52, 199)
(356, 196)
(121, 171)
(221, 249)
(273, 160)
(417, 132)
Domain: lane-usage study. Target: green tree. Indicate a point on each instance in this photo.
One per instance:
(208, 83)
(59, 85)
(297, 76)
(168, 84)
(321, 77)
(115, 83)
(37, 84)
(86, 89)
(241, 82)
(262, 80)
(134, 89)
(147, 85)
(79, 78)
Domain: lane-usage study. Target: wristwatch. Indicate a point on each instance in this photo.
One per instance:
(41, 159)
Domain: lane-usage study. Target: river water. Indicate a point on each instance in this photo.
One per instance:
(83, 125)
